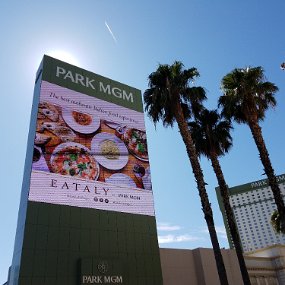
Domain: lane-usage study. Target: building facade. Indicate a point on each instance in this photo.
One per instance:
(253, 204)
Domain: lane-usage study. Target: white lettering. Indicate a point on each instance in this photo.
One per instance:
(89, 83)
(107, 279)
(105, 90)
(113, 279)
(117, 92)
(80, 78)
(264, 182)
(60, 70)
(91, 279)
(69, 75)
(258, 183)
(128, 97)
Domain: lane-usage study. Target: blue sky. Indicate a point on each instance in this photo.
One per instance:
(126, 40)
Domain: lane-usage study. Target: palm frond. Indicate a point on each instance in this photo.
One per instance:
(169, 85)
(246, 93)
(211, 133)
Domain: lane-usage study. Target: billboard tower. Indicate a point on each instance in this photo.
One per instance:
(86, 213)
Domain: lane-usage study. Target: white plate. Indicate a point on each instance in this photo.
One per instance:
(113, 164)
(121, 180)
(73, 144)
(88, 129)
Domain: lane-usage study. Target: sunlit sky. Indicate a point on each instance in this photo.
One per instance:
(125, 40)
(64, 56)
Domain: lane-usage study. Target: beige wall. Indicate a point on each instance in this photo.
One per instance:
(198, 267)
(178, 266)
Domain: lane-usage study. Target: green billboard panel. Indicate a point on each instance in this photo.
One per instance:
(86, 82)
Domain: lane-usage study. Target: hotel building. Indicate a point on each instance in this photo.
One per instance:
(253, 204)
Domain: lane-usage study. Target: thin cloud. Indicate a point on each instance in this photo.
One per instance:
(167, 227)
(199, 233)
(177, 238)
(110, 31)
(220, 230)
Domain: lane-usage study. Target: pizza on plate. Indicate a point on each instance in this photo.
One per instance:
(136, 143)
(74, 161)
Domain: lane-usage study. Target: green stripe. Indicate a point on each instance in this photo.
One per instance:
(254, 185)
(89, 83)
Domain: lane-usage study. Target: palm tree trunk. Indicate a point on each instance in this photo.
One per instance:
(230, 217)
(272, 181)
(206, 206)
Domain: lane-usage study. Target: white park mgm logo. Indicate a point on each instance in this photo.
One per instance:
(103, 267)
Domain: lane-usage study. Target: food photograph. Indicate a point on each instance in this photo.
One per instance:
(73, 143)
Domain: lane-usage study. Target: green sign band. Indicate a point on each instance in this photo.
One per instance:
(89, 83)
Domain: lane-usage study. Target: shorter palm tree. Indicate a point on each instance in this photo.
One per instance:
(247, 96)
(211, 135)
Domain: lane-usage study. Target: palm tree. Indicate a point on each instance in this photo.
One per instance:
(211, 135)
(170, 98)
(247, 95)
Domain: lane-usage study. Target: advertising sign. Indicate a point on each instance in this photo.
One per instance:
(90, 152)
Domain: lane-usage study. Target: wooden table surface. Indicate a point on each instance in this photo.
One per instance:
(85, 139)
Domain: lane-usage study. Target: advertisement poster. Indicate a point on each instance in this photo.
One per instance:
(90, 153)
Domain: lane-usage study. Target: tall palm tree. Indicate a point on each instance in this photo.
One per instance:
(170, 98)
(247, 95)
(211, 135)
